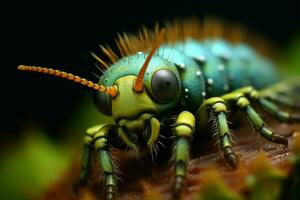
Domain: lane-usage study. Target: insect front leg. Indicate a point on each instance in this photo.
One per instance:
(216, 108)
(101, 143)
(183, 130)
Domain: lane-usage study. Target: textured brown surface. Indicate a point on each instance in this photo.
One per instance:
(138, 178)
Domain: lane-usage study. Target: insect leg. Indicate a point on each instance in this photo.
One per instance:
(101, 145)
(269, 106)
(273, 109)
(84, 173)
(218, 110)
(283, 100)
(87, 144)
(183, 130)
(243, 104)
(225, 140)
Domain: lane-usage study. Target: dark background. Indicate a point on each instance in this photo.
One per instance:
(62, 35)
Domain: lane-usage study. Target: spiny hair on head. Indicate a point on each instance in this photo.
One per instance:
(178, 30)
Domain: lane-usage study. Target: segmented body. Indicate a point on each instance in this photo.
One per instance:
(207, 68)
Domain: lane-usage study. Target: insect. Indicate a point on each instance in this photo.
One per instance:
(179, 71)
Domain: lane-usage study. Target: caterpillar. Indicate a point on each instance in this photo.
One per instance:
(195, 71)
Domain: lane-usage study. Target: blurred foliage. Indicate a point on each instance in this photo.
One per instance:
(294, 179)
(215, 188)
(290, 59)
(263, 179)
(35, 161)
(30, 165)
(84, 117)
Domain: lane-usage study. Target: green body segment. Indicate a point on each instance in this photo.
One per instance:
(101, 145)
(254, 118)
(226, 67)
(205, 69)
(223, 131)
(105, 161)
(211, 66)
(274, 110)
(185, 125)
(84, 173)
(181, 156)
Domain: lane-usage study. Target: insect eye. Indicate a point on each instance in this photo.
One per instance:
(164, 85)
(102, 101)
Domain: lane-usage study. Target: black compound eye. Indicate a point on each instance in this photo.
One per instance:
(164, 85)
(102, 101)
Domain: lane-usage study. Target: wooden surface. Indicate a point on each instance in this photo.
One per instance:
(140, 177)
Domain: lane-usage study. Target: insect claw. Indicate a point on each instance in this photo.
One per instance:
(232, 160)
(295, 117)
(230, 157)
(109, 196)
(279, 139)
(178, 186)
(110, 192)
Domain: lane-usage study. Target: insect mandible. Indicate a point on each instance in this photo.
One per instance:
(176, 71)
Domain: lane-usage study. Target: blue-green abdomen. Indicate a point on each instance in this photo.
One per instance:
(206, 69)
(215, 67)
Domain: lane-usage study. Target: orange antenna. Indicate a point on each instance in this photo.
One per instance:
(138, 85)
(109, 90)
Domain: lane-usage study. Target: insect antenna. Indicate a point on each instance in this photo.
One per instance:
(138, 85)
(109, 90)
